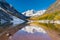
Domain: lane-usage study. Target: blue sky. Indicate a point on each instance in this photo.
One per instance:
(24, 5)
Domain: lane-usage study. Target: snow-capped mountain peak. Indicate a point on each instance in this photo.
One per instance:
(28, 13)
(33, 12)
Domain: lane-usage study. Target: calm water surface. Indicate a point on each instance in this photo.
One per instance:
(28, 32)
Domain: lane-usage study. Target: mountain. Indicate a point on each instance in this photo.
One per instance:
(7, 12)
(33, 12)
(8, 9)
(54, 7)
(29, 13)
(52, 13)
(40, 12)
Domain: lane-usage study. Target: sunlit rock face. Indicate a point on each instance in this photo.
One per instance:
(54, 7)
(30, 33)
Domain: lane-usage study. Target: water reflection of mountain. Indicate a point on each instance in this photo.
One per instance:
(6, 25)
(51, 26)
(23, 35)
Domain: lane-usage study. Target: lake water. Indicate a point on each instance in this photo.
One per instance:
(28, 32)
